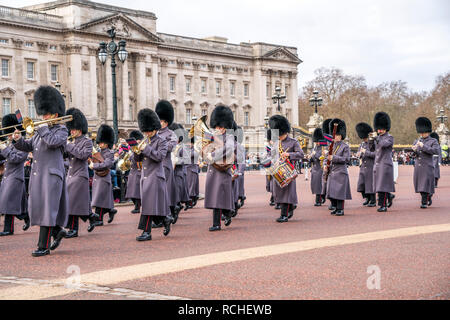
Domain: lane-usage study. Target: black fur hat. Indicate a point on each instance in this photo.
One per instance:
(164, 110)
(382, 121)
(79, 121)
(178, 130)
(317, 135)
(268, 134)
(423, 125)
(325, 126)
(222, 116)
(363, 129)
(105, 134)
(148, 120)
(280, 123)
(136, 135)
(341, 128)
(435, 135)
(48, 100)
(10, 120)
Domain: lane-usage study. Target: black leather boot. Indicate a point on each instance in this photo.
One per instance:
(26, 219)
(167, 222)
(71, 234)
(145, 236)
(59, 236)
(40, 252)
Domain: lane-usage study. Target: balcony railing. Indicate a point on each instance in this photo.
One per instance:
(21, 15)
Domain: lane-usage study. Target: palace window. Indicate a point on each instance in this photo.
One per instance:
(5, 67)
(188, 85)
(6, 106)
(29, 44)
(31, 109)
(30, 70)
(286, 90)
(188, 116)
(232, 88)
(218, 85)
(52, 47)
(172, 84)
(268, 95)
(204, 112)
(4, 41)
(246, 89)
(54, 72)
(246, 118)
(203, 86)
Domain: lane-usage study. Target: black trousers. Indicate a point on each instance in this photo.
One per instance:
(436, 182)
(101, 212)
(217, 214)
(137, 203)
(370, 196)
(338, 204)
(383, 198)
(425, 197)
(45, 236)
(319, 198)
(286, 208)
(9, 223)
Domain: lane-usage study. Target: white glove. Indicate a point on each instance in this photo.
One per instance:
(2, 146)
(91, 166)
(42, 125)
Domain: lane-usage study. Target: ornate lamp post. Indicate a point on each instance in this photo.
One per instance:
(315, 101)
(58, 87)
(278, 98)
(442, 117)
(112, 49)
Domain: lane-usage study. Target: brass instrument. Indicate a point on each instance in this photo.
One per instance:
(373, 135)
(6, 143)
(283, 171)
(70, 139)
(322, 157)
(29, 125)
(124, 164)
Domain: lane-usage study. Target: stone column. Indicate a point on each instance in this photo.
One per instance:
(91, 110)
(75, 77)
(155, 80)
(19, 74)
(125, 93)
(43, 63)
(141, 88)
(293, 96)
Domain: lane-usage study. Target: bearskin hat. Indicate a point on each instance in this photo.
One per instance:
(10, 120)
(164, 110)
(423, 125)
(281, 123)
(178, 130)
(363, 129)
(382, 121)
(136, 135)
(317, 135)
(435, 135)
(341, 128)
(79, 121)
(222, 116)
(269, 134)
(325, 126)
(105, 134)
(148, 120)
(49, 100)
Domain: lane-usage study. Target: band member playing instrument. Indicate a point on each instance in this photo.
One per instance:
(102, 191)
(154, 196)
(181, 158)
(383, 172)
(165, 112)
(192, 171)
(285, 148)
(425, 148)
(47, 203)
(437, 160)
(328, 138)
(338, 184)
(317, 158)
(79, 149)
(13, 196)
(134, 177)
(218, 188)
(366, 153)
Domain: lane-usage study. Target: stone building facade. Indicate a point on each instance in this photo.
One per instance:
(58, 42)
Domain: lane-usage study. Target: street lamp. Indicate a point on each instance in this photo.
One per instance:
(112, 49)
(58, 87)
(442, 117)
(266, 121)
(278, 98)
(315, 101)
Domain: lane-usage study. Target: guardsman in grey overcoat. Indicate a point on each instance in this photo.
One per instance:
(180, 159)
(425, 148)
(78, 149)
(437, 160)
(316, 166)
(328, 138)
(366, 153)
(154, 196)
(267, 163)
(13, 197)
(383, 169)
(238, 158)
(218, 187)
(102, 191)
(192, 170)
(165, 112)
(48, 199)
(338, 184)
(290, 148)
(134, 177)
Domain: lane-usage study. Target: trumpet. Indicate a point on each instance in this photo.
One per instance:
(29, 125)
(373, 135)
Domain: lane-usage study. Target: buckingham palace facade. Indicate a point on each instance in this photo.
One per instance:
(58, 43)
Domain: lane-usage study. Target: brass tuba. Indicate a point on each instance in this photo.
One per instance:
(203, 133)
(124, 164)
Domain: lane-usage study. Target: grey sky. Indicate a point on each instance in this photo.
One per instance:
(382, 40)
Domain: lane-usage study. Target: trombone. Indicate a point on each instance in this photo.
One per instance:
(124, 164)
(29, 125)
